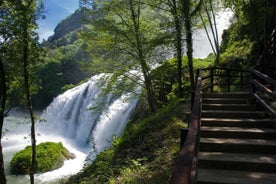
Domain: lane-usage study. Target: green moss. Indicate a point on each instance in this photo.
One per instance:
(50, 156)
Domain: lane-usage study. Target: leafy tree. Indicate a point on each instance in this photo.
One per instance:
(188, 14)
(19, 18)
(211, 23)
(254, 22)
(171, 11)
(3, 97)
(3, 91)
(124, 37)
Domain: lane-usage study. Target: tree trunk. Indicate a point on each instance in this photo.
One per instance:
(29, 101)
(178, 45)
(3, 97)
(141, 58)
(3, 179)
(214, 30)
(189, 40)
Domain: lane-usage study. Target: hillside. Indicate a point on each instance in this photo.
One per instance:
(64, 60)
(66, 31)
(71, 23)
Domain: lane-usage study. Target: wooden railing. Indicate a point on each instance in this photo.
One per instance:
(266, 62)
(186, 165)
(185, 171)
(224, 79)
(264, 90)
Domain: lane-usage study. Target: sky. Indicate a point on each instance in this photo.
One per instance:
(55, 11)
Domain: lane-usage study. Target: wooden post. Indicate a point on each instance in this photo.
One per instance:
(212, 79)
(228, 80)
(241, 78)
(183, 134)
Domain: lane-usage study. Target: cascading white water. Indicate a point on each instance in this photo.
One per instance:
(85, 119)
(70, 114)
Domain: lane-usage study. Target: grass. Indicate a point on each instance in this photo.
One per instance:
(145, 153)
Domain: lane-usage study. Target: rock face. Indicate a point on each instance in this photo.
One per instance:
(71, 23)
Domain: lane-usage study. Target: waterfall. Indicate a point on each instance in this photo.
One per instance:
(85, 114)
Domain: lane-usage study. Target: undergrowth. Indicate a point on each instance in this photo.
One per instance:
(145, 152)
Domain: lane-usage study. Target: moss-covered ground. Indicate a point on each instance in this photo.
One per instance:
(50, 156)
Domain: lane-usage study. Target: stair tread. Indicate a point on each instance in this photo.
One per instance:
(238, 129)
(226, 95)
(238, 157)
(238, 120)
(237, 144)
(238, 141)
(234, 114)
(223, 98)
(232, 93)
(218, 104)
(235, 177)
(231, 111)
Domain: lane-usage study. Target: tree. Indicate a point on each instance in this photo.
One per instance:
(3, 98)
(174, 8)
(211, 21)
(253, 27)
(19, 20)
(124, 37)
(188, 14)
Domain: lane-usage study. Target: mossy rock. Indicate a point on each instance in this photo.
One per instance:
(50, 156)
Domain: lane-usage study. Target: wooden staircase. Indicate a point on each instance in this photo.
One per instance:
(237, 141)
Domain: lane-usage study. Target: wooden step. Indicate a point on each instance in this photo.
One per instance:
(233, 114)
(242, 122)
(238, 132)
(224, 101)
(238, 161)
(220, 176)
(244, 95)
(232, 107)
(238, 145)
(237, 141)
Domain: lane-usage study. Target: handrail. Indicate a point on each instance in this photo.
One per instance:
(263, 90)
(216, 76)
(185, 171)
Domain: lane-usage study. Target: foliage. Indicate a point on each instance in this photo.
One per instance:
(50, 156)
(165, 79)
(143, 154)
(237, 45)
(21, 52)
(253, 26)
(66, 61)
(12, 25)
(210, 22)
(126, 35)
(63, 66)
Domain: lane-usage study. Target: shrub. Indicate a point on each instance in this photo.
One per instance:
(50, 156)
